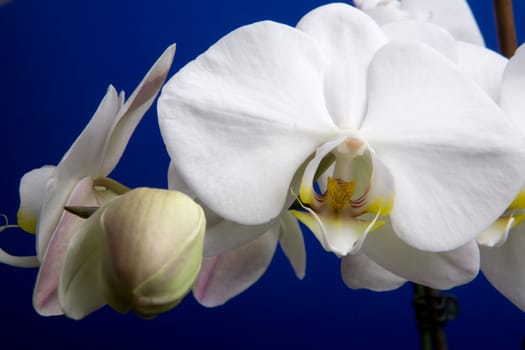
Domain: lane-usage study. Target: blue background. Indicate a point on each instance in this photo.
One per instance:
(56, 60)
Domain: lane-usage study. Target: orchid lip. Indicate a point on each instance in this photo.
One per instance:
(337, 211)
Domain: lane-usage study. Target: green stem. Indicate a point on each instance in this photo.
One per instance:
(438, 332)
(433, 310)
(425, 336)
(506, 29)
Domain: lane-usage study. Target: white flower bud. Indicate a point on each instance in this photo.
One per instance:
(141, 252)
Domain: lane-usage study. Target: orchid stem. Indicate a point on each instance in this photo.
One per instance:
(423, 326)
(433, 310)
(506, 29)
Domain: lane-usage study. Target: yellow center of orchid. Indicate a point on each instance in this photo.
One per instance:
(347, 209)
(340, 193)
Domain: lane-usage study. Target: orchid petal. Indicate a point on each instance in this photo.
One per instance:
(359, 271)
(497, 233)
(221, 235)
(134, 109)
(217, 110)
(341, 231)
(340, 235)
(32, 192)
(428, 33)
(519, 200)
(438, 146)
(18, 261)
(306, 189)
(512, 100)
(381, 193)
(83, 157)
(225, 276)
(45, 298)
(349, 39)
(437, 270)
(81, 160)
(79, 292)
(227, 235)
(292, 243)
(100, 145)
(453, 15)
(175, 182)
(383, 15)
(504, 266)
(484, 66)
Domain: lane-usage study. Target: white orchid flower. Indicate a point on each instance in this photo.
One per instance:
(384, 262)
(139, 252)
(409, 134)
(236, 255)
(453, 15)
(80, 179)
(500, 256)
(502, 244)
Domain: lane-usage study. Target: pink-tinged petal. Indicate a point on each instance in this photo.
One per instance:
(504, 266)
(226, 235)
(359, 271)
(133, 110)
(253, 98)
(229, 274)
(100, 145)
(348, 40)
(428, 33)
(45, 298)
(512, 88)
(292, 243)
(453, 15)
(78, 291)
(32, 193)
(484, 66)
(437, 270)
(436, 132)
(81, 160)
(83, 157)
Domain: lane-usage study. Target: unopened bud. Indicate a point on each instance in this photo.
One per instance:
(148, 253)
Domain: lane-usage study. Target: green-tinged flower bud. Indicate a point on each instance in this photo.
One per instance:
(152, 250)
(147, 249)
